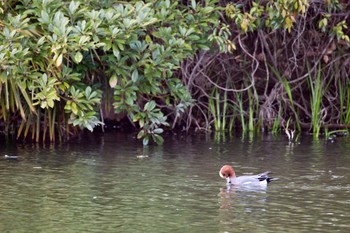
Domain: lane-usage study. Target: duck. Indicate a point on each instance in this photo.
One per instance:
(227, 172)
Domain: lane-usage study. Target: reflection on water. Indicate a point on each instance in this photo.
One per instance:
(242, 209)
(112, 184)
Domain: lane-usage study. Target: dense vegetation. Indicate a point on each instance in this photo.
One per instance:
(250, 65)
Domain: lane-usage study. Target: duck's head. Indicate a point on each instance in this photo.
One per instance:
(227, 172)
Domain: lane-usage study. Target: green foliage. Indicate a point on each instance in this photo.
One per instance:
(58, 59)
(144, 61)
(281, 14)
(39, 63)
(150, 120)
(80, 106)
(276, 42)
(247, 21)
(323, 23)
(55, 57)
(338, 31)
(43, 91)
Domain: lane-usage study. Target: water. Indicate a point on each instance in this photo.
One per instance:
(111, 183)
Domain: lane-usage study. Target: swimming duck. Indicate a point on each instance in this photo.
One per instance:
(227, 172)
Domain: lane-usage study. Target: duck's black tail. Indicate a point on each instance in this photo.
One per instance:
(269, 179)
(265, 176)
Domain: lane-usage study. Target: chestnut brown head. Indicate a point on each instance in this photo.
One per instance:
(227, 172)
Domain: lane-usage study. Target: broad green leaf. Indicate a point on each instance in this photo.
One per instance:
(74, 108)
(41, 41)
(78, 57)
(116, 52)
(194, 4)
(141, 122)
(50, 103)
(89, 127)
(149, 106)
(44, 17)
(44, 78)
(88, 91)
(59, 60)
(158, 131)
(141, 134)
(113, 81)
(73, 6)
(148, 39)
(129, 100)
(158, 139)
(135, 75)
(203, 47)
(145, 141)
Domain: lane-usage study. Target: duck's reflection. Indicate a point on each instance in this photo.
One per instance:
(241, 196)
(241, 207)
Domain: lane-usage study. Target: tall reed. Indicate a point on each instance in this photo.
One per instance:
(250, 111)
(344, 98)
(219, 109)
(239, 98)
(317, 91)
(213, 109)
(277, 122)
(224, 111)
(218, 112)
(288, 90)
